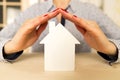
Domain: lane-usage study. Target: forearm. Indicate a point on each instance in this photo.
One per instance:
(110, 49)
(114, 56)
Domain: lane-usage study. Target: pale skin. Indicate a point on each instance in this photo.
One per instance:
(28, 34)
(92, 33)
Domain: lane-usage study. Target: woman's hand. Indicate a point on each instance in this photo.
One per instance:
(28, 33)
(92, 33)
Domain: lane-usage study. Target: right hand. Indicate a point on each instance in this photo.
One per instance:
(92, 33)
(28, 33)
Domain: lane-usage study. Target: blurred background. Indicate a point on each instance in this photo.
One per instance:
(9, 9)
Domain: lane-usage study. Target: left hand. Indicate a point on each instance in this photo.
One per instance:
(28, 33)
(92, 33)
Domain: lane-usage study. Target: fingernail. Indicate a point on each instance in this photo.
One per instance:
(64, 10)
(75, 16)
(55, 10)
(45, 15)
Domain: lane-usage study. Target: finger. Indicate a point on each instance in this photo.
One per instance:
(43, 19)
(48, 16)
(66, 15)
(78, 21)
(81, 29)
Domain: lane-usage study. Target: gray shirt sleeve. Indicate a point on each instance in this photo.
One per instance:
(5, 35)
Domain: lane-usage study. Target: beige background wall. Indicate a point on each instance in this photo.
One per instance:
(112, 9)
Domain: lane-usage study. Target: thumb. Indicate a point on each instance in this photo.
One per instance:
(80, 29)
(41, 28)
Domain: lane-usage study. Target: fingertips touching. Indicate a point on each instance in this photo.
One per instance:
(56, 10)
(64, 10)
(67, 15)
(64, 13)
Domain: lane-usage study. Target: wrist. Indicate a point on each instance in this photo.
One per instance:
(110, 49)
(10, 48)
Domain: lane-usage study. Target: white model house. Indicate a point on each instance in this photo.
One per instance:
(59, 49)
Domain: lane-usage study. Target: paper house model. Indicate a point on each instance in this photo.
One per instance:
(59, 49)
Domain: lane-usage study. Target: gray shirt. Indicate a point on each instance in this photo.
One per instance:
(82, 10)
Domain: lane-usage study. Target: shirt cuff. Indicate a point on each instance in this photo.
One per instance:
(112, 58)
(12, 56)
(117, 44)
(2, 43)
(109, 58)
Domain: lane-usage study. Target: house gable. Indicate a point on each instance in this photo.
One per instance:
(59, 33)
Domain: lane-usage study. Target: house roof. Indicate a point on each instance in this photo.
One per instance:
(59, 34)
